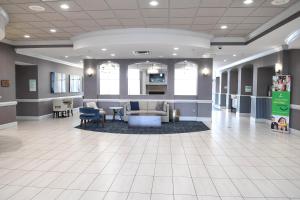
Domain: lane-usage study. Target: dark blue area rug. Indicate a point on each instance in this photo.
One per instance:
(166, 128)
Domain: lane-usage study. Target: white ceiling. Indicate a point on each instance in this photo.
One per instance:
(269, 43)
(203, 16)
(91, 15)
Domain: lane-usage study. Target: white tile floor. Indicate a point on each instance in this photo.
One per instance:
(236, 160)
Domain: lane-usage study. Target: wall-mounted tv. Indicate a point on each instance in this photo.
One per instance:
(58, 82)
(157, 78)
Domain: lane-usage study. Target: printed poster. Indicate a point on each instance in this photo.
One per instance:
(281, 99)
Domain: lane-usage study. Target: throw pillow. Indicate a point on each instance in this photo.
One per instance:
(160, 106)
(134, 105)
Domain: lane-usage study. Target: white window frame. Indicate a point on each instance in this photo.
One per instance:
(191, 69)
(105, 80)
(137, 79)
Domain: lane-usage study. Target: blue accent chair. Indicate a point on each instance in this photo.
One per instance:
(90, 115)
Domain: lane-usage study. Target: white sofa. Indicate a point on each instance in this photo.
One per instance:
(148, 107)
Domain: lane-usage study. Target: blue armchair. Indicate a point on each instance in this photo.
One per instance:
(90, 114)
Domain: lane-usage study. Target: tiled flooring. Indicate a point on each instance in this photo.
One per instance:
(235, 160)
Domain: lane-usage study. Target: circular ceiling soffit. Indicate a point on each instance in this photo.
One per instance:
(292, 37)
(279, 2)
(142, 36)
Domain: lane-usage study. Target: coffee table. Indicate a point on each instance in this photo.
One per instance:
(117, 110)
(144, 120)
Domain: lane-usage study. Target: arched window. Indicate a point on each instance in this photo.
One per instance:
(109, 78)
(186, 78)
(147, 78)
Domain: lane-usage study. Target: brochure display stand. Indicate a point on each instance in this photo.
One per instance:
(281, 98)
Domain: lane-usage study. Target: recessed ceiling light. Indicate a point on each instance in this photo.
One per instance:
(176, 48)
(103, 49)
(66, 56)
(112, 55)
(36, 8)
(279, 2)
(153, 3)
(224, 27)
(234, 55)
(88, 57)
(52, 30)
(64, 6)
(247, 2)
(174, 54)
(26, 36)
(225, 60)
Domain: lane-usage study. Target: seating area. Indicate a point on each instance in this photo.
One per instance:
(138, 109)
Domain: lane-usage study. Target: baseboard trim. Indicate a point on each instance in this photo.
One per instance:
(259, 120)
(8, 125)
(33, 118)
(191, 118)
(242, 114)
(295, 131)
(37, 118)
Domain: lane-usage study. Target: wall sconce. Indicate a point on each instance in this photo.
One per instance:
(278, 68)
(90, 71)
(205, 71)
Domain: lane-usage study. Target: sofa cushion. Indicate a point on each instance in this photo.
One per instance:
(151, 105)
(141, 112)
(160, 106)
(143, 105)
(156, 112)
(91, 105)
(132, 112)
(134, 105)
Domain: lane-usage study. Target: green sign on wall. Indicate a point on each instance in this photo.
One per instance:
(281, 98)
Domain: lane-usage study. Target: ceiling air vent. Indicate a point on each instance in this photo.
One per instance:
(142, 53)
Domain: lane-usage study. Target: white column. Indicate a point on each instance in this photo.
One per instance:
(3, 22)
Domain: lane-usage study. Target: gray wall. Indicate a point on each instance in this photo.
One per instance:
(41, 71)
(264, 80)
(294, 70)
(223, 99)
(224, 78)
(7, 72)
(23, 75)
(91, 84)
(263, 69)
(293, 63)
(44, 69)
(217, 87)
(246, 80)
(233, 82)
(261, 108)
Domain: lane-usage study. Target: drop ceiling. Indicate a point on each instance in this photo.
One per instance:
(90, 15)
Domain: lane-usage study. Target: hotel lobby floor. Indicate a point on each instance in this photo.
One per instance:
(50, 159)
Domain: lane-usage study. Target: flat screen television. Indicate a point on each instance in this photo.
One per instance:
(157, 78)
